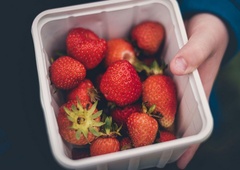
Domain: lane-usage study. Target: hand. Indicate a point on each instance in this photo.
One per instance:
(208, 39)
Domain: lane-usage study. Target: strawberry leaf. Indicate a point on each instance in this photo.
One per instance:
(69, 112)
(78, 134)
(70, 118)
(96, 115)
(92, 109)
(94, 132)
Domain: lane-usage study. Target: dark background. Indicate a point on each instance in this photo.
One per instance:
(23, 138)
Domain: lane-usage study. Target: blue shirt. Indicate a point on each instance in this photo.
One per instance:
(227, 10)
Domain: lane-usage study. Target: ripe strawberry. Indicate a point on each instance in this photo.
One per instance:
(107, 142)
(85, 46)
(85, 91)
(104, 145)
(121, 114)
(148, 36)
(121, 84)
(119, 49)
(66, 72)
(125, 143)
(166, 136)
(79, 153)
(142, 129)
(79, 122)
(160, 90)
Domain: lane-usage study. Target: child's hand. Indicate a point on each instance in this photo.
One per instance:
(208, 39)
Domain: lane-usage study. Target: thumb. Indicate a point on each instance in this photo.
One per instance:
(203, 39)
(191, 55)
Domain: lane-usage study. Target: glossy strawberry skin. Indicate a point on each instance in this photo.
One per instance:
(66, 72)
(104, 145)
(85, 46)
(142, 129)
(148, 36)
(119, 49)
(160, 90)
(82, 91)
(166, 136)
(125, 143)
(121, 114)
(121, 84)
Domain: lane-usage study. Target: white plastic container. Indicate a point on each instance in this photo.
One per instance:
(111, 19)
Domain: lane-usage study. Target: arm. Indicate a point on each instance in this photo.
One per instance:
(214, 36)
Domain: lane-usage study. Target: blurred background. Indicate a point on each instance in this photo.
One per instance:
(23, 138)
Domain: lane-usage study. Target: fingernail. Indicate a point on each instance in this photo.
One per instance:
(180, 64)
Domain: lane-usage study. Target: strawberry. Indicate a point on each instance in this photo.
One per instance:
(107, 142)
(142, 128)
(85, 46)
(166, 136)
(160, 90)
(125, 143)
(121, 114)
(104, 145)
(79, 153)
(66, 72)
(121, 84)
(79, 122)
(119, 49)
(85, 91)
(148, 36)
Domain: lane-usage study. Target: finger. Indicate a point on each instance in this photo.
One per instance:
(201, 44)
(187, 156)
(191, 55)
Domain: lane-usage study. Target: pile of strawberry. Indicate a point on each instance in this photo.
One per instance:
(117, 93)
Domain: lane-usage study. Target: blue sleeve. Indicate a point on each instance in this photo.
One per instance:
(227, 10)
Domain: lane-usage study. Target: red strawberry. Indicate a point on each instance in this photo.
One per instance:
(85, 91)
(142, 129)
(79, 122)
(121, 84)
(121, 114)
(79, 153)
(148, 36)
(160, 90)
(85, 46)
(107, 142)
(166, 136)
(104, 145)
(66, 72)
(119, 49)
(125, 143)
